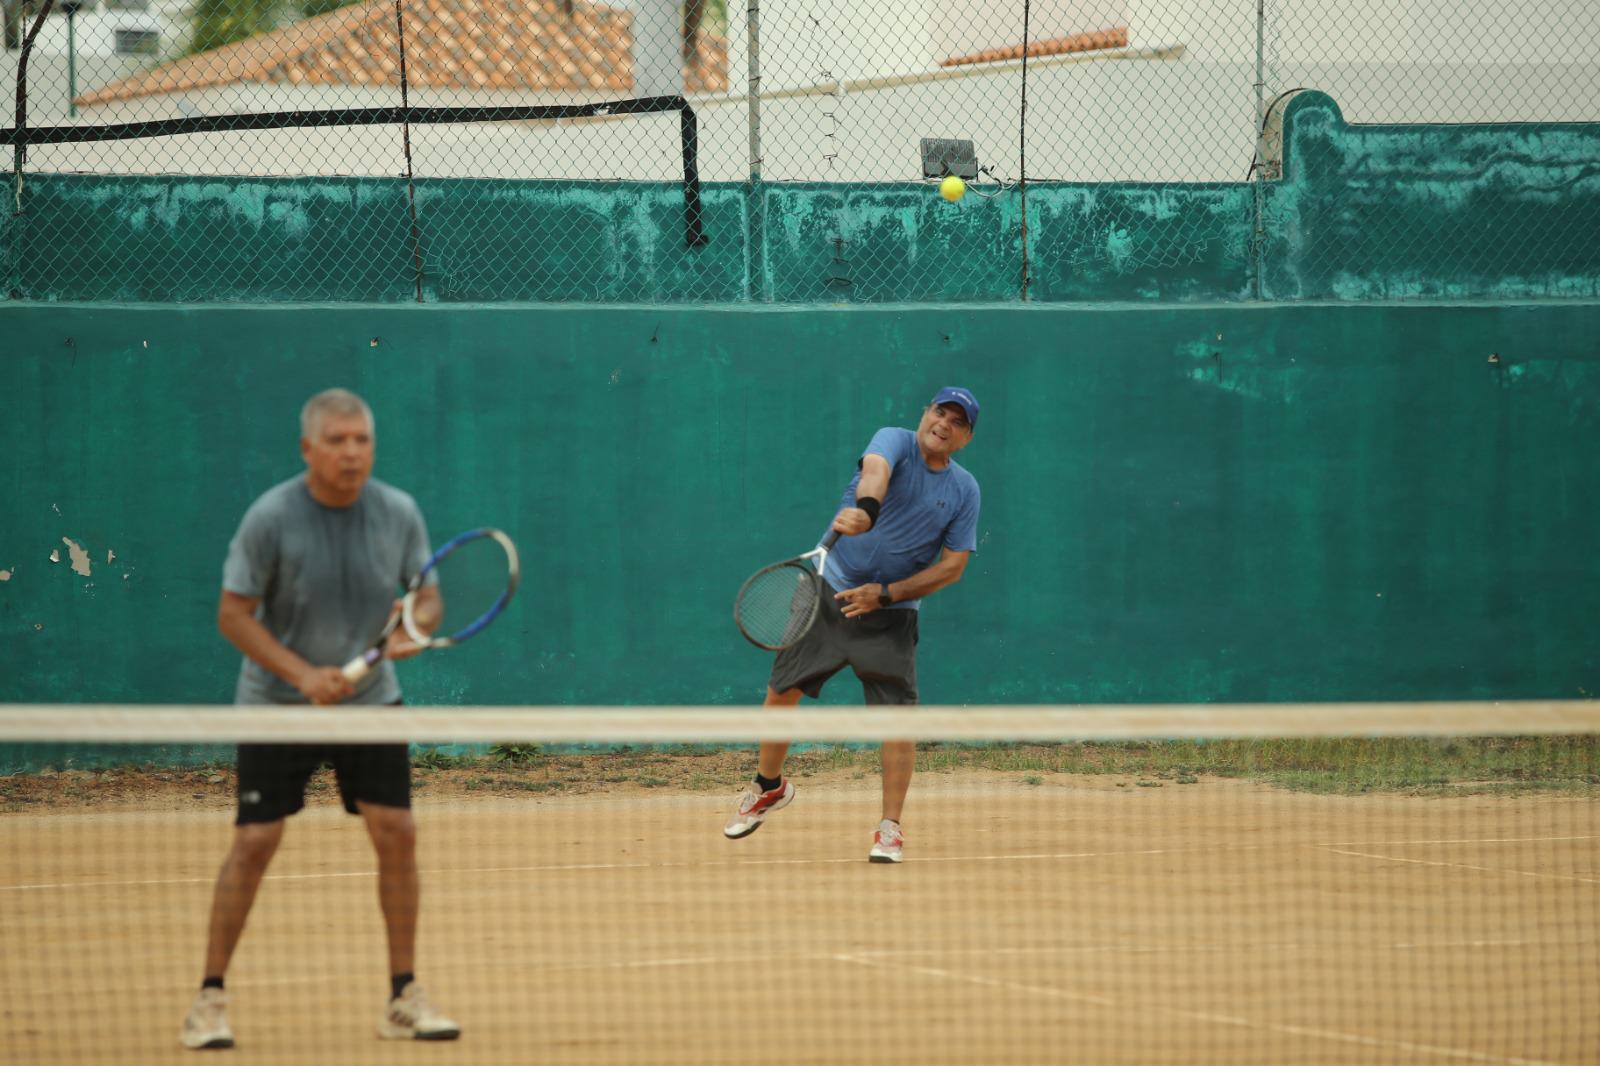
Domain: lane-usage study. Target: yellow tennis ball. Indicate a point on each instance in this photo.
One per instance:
(952, 188)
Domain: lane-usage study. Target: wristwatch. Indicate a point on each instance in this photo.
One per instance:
(884, 597)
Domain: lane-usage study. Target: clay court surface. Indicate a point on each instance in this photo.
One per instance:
(1083, 920)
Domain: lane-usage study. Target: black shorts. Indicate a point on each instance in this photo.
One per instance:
(273, 777)
(880, 647)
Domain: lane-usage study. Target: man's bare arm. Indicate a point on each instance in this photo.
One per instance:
(946, 571)
(875, 472)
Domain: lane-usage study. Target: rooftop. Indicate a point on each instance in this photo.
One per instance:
(538, 45)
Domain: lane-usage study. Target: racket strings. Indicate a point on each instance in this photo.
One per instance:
(777, 605)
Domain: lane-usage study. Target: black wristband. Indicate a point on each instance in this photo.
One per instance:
(869, 505)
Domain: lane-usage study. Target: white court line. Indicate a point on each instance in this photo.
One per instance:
(1458, 840)
(867, 956)
(1466, 866)
(1225, 947)
(1208, 1016)
(181, 881)
(523, 964)
(614, 866)
(1055, 856)
(1449, 945)
(863, 956)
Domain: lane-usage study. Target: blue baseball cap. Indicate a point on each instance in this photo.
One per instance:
(962, 399)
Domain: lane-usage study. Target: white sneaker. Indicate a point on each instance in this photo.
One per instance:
(411, 1017)
(207, 1023)
(887, 843)
(754, 806)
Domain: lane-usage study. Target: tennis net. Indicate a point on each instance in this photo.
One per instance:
(1209, 884)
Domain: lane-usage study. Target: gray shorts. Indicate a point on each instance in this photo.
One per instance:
(880, 647)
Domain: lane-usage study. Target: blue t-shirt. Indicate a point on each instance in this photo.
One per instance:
(924, 512)
(326, 578)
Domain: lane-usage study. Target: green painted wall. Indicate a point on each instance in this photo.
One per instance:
(1447, 211)
(1180, 503)
(1363, 212)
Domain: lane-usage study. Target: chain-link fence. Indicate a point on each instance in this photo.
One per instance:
(475, 149)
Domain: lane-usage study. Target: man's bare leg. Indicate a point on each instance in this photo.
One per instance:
(410, 1014)
(899, 760)
(764, 795)
(235, 892)
(773, 752)
(394, 838)
(254, 844)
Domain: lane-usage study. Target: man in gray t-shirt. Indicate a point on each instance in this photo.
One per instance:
(324, 578)
(310, 579)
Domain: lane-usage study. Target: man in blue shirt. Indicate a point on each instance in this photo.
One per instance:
(909, 522)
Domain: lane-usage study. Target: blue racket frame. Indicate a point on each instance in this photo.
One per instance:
(477, 625)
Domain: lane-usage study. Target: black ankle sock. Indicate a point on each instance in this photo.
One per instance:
(211, 982)
(397, 984)
(767, 784)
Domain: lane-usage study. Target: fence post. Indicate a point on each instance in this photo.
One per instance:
(1022, 150)
(755, 281)
(19, 149)
(1258, 236)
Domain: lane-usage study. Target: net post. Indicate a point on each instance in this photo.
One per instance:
(689, 127)
(19, 144)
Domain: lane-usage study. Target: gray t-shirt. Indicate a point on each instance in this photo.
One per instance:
(327, 578)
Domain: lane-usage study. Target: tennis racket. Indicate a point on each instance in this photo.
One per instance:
(476, 568)
(777, 604)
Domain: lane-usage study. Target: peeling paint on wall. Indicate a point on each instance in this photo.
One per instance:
(1243, 374)
(55, 555)
(111, 557)
(5, 575)
(80, 558)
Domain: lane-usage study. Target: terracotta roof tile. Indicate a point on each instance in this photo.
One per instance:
(1055, 46)
(450, 44)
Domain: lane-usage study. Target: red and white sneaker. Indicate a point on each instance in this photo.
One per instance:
(888, 843)
(754, 806)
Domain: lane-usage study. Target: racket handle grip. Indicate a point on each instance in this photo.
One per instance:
(831, 539)
(361, 665)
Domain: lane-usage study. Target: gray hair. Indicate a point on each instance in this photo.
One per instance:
(332, 402)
